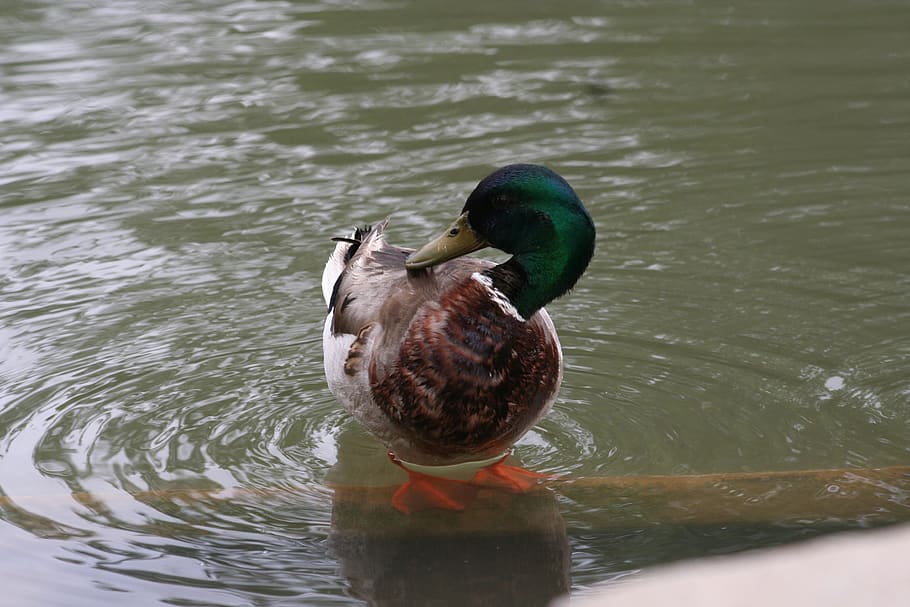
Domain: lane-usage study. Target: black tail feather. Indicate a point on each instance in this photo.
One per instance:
(355, 240)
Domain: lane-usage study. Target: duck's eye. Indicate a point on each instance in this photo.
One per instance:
(454, 232)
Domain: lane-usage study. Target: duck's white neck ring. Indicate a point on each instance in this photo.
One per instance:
(498, 297)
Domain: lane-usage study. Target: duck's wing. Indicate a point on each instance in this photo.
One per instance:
(371, 301)
(365, 283)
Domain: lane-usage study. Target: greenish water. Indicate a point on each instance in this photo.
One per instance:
(171, 172)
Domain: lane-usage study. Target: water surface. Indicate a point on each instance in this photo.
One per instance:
(170, 175)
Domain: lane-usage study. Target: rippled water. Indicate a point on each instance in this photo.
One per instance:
(170, 174)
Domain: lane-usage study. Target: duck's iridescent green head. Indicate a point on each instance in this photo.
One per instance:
(534, 214)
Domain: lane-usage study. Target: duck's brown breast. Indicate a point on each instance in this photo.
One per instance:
(469, 377)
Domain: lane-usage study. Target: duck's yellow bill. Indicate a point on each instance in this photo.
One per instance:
(458, 239)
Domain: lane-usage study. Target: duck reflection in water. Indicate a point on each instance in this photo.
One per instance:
(503, 549)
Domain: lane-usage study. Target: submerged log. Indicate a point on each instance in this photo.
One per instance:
(862, 496)
(834, 498)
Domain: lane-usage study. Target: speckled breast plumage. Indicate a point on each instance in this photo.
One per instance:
(469, 378)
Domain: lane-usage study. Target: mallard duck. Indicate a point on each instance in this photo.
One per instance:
(446, 359)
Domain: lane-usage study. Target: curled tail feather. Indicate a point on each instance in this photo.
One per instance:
(342, 255)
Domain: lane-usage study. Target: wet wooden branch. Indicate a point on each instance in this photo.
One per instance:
(834, 498)
(871, 496)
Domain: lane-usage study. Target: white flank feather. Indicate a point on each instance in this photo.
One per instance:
(335, 352)
(333, 268)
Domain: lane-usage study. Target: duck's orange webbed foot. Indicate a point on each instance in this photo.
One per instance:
(422, 491)
(511, 478)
